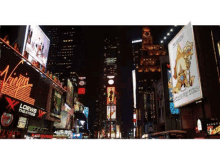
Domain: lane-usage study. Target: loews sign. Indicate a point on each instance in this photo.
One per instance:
(24, 109)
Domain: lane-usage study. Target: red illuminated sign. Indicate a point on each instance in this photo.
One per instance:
(11, 103)
(81, 91)
(9, 133)
(16, 86)
(41, 113)
(46, 136)
(6, 119)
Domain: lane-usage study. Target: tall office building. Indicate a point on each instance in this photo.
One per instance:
(110, 86)
(146, 60)
(67, 53)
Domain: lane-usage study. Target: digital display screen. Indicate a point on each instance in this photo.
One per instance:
(22, 122)
(111, 93)
(113, 112)
(69, 94)
(56, 104)
(36, 45)
(63, 122)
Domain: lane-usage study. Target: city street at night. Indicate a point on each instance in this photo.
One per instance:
(115, 83)
(119, 82)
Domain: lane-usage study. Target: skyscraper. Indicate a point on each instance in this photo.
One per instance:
(110, 86)
(67, 53)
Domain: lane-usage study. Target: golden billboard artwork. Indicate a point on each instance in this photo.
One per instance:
(182, 67)
(111, 96)
(16, 86)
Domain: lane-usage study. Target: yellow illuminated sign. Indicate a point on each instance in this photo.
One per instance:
(16, 86)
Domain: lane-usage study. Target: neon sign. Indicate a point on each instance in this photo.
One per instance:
(16, 86)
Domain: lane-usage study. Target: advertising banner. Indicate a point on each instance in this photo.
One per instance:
(77, 135)
(81, 91)
(113, 112)
(63, 118)
(20, 80)
(56, 104)
(86, 112)
(20, 108)
(184, 68)
(36, 45)
(22, 122)
(69, 93)
(111, 93)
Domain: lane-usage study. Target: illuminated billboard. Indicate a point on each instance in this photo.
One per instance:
(170, 87)
(81, 91)
(172, 109)
(69, 93)
(111, 93)
(184, 68)
(134, 87)
(113, 112)
(56, 104)
(86, 112)
(63, 118)
(20, 108)
(22, 122)
(36, 45)
(18, 79)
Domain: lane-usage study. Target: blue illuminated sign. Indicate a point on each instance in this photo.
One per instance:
(172, 109)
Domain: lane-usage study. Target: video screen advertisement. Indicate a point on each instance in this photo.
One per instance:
(36, 45)
(69, 93)
(184, 68)
(21, 81)
(170, 88)
(63, 117)
(56, 104)
(113, 112)
(111, 91)
(86, 112)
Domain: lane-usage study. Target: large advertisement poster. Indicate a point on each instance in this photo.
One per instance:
(113, 112)
(63, 118)
(36, 45)
(69, 94)
(184, 68)
(56, 104)
(111, 95)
